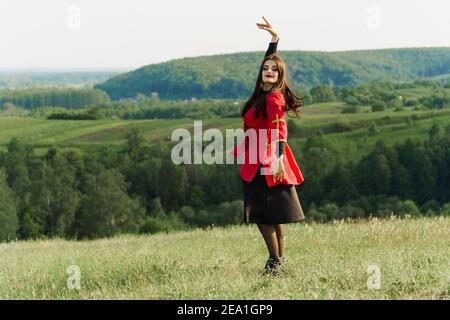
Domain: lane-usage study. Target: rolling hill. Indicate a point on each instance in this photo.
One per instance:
(233, 75)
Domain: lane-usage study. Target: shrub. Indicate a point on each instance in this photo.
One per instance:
(158, 224)
(378, 105)
(352, 212)
(351, 109)
(331, 211)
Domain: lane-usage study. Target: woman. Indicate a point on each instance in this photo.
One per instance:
(270, 197)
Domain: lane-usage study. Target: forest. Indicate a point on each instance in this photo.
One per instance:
(64, 103)
(73, 194)
(230, 76)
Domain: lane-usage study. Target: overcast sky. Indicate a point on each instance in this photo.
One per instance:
(127, 34)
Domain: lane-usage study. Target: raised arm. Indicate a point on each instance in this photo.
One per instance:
(274, 42)
(272, 48)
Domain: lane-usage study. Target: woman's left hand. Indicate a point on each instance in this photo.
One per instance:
(278, 169)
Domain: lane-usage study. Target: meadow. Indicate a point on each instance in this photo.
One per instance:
(90, 135)
(366, 259)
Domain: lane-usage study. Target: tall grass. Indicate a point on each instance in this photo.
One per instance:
(323, 261)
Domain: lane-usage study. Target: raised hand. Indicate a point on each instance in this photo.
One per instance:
(268, 27)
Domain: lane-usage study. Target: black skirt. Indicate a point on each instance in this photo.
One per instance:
(270, 205)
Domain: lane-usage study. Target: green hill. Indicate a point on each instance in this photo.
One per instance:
(234, 75)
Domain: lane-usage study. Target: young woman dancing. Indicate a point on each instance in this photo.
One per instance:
(270, 196)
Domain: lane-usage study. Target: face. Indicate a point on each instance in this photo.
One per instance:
(270, 72)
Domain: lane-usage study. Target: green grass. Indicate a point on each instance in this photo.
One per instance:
(90, 135)
(324, 261)
(419, 92)
(354, 144)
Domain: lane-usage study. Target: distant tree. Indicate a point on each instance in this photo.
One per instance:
(154, 96)
(373, 129)
(293, 127)
(378, 105)
(197, 197)
(16, 161)
(395, 103)
(315, 215)
(408, 121)
(382, 175)
(187, 213)
(431, 207)
(157, 220)
(75, 158)
(106, 208)
(135, 143)
(342, 125)
(423, 174)
(55, 193)
(170, 222)
(228, 213)
(446, 209)
(408, 207)
(349, 211)
(174, 185)
(401, 183)
(331, 211)
(9, 108)
(411, 103)
(30, 98)
(322, 93)
(94, 112)
(339, 185)
(351, 101)
(9, 221)
(351, 109)
(436, 131)
(156, 209)
(319, 157)
(141, 99)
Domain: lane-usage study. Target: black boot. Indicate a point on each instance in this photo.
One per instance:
(273, 266)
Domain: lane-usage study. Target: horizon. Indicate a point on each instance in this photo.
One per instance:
(43, 69)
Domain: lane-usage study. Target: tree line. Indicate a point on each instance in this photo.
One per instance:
(70, 98)
(69, 193)
(97, 105)
(233, 76)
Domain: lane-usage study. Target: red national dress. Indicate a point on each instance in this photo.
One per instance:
(274, 129)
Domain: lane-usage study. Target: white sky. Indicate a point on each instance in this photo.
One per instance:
(132, 33)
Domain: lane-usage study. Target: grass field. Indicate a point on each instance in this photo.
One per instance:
(323, 261)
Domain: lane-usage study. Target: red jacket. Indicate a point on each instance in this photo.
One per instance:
(274, 129)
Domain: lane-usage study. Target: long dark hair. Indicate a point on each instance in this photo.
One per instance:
(258, 97)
